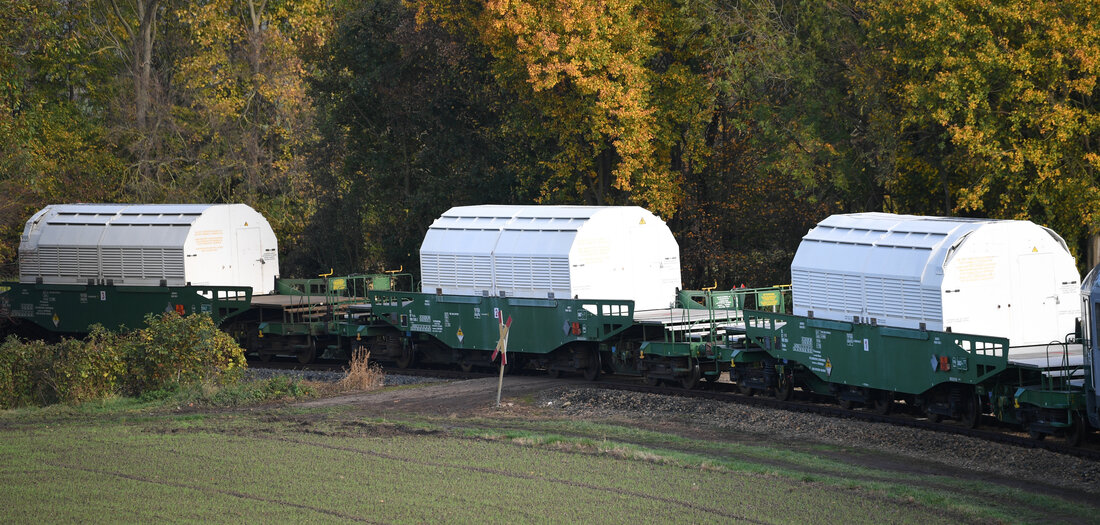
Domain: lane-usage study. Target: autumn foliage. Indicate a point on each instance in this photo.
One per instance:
(352, 125)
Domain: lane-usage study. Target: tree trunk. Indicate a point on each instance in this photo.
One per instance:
(143, 81)
(253, 141)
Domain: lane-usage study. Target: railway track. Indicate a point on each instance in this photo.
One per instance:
(990, 430)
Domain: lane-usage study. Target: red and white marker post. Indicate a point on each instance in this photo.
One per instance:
(502, 349)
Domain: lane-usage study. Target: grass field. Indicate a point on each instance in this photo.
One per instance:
(135, 463)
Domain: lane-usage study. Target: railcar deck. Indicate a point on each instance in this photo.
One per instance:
(691, 320)
(284, 301)
(303, 307)
(673, 316)
(1046, 357)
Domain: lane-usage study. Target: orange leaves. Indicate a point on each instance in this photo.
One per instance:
(583, 65)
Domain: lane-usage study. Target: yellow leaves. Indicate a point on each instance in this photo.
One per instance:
(1093, 160)
(1005, 90)
(584, 64)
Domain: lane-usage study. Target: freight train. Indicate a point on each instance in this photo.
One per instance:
(958, 318)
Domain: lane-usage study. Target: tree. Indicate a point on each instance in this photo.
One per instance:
(607, 110)
(241, 107)
(998, 106)
(409, 126)
(791, 135)
(128, 28)
(53, 144)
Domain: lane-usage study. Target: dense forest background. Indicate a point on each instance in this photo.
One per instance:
(353, 124)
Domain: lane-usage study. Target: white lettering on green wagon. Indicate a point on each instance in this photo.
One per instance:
(806, 346)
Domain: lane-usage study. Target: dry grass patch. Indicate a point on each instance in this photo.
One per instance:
(362, 374)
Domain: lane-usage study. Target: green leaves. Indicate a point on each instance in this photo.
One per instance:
(171, 351)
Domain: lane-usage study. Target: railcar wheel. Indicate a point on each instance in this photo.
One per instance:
(554, 373)
(712, 378)
(926, 406)
(1035, 434)
(745, 389)
(606, 363)
(785, 390)
(406, 358)
(846, 404)
(883, 403)
(592, 371)
(650, 381)
(265, 357)
(466, 367)
(972, 414)
(1076, 433)
(691, 380)
(308, 354)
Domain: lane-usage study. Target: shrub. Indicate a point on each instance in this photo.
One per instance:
(235, 394)
(278, 387)
(22, 369)
(88, 369)
(154, 362)
(174, 350)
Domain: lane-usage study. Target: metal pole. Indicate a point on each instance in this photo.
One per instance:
(500, 382)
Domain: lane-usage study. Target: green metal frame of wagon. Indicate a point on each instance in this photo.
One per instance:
(944, 373)
(308, 316)
(72, 309)
(1046, 399)
(947, 374)
(568, 335)
(699, 338)
(555, 334)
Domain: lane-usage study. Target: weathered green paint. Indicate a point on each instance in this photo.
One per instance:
(1050, 399)
(335, 288)
(884, 358)
(772, 299)
(326, 316)
(284, 329)
(1031, 405)
(73, 309)
(356, 330)
(669, 349)
(538, 326)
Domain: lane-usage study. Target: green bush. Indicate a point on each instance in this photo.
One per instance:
(23, 366)
(169, 353)
(174, 350)
(88, 369)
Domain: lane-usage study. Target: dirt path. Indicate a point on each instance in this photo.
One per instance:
(458, 398)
